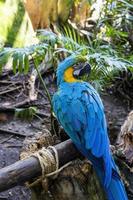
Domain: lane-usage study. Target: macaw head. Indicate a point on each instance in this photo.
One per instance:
(72, 69)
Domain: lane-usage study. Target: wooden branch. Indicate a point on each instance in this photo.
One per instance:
(25, 170)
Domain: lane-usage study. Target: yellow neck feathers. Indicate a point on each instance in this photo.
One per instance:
(68, 76)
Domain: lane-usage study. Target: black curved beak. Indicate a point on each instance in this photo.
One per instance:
(81, 69)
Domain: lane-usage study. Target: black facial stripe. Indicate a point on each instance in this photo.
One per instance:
(81, 69)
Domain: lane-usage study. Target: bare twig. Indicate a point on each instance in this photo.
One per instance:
(10, 90)
(5, 140)
(12, 108)
(12, 132)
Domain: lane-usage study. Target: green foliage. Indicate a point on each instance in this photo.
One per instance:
(21, 56)
(69, 32)
(105, 67)
(116, 21)
(105, 61)
(25, 113)
(107, 46)
(66, 43)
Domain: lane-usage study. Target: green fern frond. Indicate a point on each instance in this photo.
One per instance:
(47, 37)
(69, 32)
(105, 66)
(21, 56)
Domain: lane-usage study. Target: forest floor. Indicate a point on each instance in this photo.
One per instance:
(13, 131)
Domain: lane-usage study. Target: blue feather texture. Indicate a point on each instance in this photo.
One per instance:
(80, 111)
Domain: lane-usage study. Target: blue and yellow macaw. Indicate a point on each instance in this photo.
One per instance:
(80, 111)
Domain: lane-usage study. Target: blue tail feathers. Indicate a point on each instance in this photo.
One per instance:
(115, 189)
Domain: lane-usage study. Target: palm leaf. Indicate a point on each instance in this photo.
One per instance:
(21, 56)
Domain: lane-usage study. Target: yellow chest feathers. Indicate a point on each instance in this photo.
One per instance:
(68, 76)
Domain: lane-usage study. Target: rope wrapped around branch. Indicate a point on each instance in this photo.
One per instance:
(49, 163)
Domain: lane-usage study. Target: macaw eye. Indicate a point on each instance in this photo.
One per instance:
(81, 69)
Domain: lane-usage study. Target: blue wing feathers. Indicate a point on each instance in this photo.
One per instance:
(81, 113)
(97, 144)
